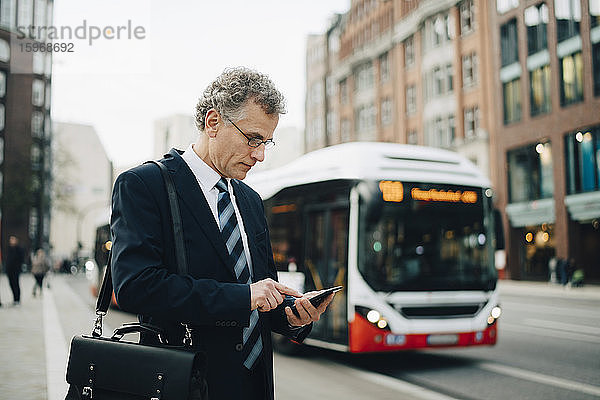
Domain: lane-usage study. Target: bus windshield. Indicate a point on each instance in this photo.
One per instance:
(424, 237)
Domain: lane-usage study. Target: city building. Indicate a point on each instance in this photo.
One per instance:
(25, 125)
(512, 84)
(178, 130)
(547, 121)
(289, 145)
(83, 177)
(402, 71)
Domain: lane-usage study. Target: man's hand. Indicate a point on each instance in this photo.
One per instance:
(267, 294)
(308, 313)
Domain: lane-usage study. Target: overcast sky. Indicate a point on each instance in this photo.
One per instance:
(121, 85)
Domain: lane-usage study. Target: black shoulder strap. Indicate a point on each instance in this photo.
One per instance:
(105, 294)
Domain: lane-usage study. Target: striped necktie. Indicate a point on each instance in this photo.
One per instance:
(230, 229)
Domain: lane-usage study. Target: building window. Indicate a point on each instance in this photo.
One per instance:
(4, 51)
(37, 94)
(467, 17)
(441, 131)
(503, 6)
(568, 17)
(344, 91)
(512, 101)
(583, 160)
(25, 13)
(436, 31)
(469, 69)
(36, 157)
(33, 213)
(411, 99)
(509, 43)
(363, 77)
(596, 66)
(7, 14)
(365, 121)
(471, 116)
(37, 123)
(449, 78)
(438, 81)
(571, 79)
(2, 83)
(2, 116)
(345, 128)
(384, 67)
(539, 79)
(530, 175)
(536, 21)
(386, 112)
(1, 160)
(594, 13)
(409, 52)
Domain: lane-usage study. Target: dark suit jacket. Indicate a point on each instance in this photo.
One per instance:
(209, 298)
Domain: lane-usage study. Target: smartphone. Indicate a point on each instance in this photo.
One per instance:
(318, 299)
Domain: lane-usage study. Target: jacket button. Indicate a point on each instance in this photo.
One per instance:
(239, 347)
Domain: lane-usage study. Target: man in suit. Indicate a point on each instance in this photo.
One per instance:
(231, 296)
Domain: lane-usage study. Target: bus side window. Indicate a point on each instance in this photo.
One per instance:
(499, 230)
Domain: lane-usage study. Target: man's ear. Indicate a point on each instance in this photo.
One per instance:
(211, 122)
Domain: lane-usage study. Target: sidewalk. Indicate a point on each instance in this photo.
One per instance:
(35, 337)
(547, 289)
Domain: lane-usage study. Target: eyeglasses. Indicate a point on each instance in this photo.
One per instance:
(254, 141)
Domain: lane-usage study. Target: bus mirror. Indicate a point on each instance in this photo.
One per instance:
(499, 230)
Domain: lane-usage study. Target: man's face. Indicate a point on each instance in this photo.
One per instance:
(229, 151)
(13, 241)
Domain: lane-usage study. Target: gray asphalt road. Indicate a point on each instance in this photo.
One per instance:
(548, 348)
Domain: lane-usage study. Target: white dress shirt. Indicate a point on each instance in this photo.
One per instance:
(207, 178)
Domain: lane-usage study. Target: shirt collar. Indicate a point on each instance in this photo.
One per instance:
(205, 175)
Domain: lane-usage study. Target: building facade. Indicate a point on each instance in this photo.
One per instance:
(83, 177)
(547, 118)
(25, 125)
(178, 130)
(405, 72)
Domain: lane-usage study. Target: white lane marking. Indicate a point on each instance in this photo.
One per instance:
(414, 391)
(570, 336)
(553, 310)
(541, 378)
(56, 349)
(561, 326)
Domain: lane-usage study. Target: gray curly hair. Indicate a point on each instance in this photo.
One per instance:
(231, 90)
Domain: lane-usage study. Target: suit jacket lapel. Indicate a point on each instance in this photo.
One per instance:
(191, 195)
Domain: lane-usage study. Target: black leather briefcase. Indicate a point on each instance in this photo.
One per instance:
(107, 368)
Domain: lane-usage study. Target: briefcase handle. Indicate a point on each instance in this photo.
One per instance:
(137, 327)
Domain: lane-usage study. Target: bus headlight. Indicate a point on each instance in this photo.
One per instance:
(374, 317)
(496, 312)
(494, 315)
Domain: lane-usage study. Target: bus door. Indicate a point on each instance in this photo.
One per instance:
(326, 261)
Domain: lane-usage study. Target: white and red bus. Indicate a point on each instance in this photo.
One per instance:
(408, 231)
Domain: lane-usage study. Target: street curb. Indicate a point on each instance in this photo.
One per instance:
(547, 289)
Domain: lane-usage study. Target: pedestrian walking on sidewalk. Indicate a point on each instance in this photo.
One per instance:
(13, 262)
(39, 268)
